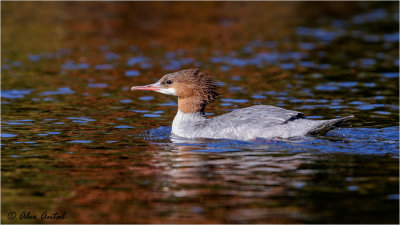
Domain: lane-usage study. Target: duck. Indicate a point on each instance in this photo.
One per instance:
(195, 90)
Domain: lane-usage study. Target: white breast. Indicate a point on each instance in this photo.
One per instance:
(188, 124)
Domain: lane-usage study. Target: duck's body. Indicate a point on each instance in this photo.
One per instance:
(259, 121)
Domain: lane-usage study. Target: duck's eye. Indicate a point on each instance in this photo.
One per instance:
(169, 82)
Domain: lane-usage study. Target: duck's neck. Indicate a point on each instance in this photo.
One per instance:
(192, 104)
(190, 116)
(190, 109)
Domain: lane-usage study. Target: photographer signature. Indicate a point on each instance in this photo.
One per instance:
(27, 215)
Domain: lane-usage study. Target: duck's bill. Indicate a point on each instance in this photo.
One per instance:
(150, 87)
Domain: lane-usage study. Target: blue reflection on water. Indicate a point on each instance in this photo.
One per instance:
(171, 103)
(320, 34)
(151, 115)
(258, 97)
(391, 37)
(175, 64)
(123, 127)
(370, 106)
(33, 57)
(383, 112)
(234, 100)
(60, 91)
(367, 62)
(80, 141)
(307, 46)
(97, 85)
(138, 60)
(346, 84)
(15, 93)
(104, 67)
(393, 197)
(373, 16)
(17, 63)
(71, 65)
(80, 119)
(139, 111)
(3, 135)
(111, 56)
(326, 88)
(146, 98)
(259, 59)
(132, 73)
(390, 75)
(288, 66)
(126, 101)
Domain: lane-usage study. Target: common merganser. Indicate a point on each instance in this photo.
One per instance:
(195, 90)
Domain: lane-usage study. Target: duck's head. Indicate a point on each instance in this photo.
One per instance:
(194, 89)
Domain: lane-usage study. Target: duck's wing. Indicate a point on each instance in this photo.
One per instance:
(260, 115)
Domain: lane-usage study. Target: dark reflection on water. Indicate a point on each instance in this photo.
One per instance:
(75, 139)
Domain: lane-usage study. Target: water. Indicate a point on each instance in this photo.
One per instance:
(75, 139)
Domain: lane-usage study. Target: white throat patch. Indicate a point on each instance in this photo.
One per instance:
(167, 91)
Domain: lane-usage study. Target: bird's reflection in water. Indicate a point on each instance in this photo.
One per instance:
(231, 174)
